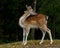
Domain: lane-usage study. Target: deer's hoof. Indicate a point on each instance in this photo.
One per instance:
(41, 42)
(51, 42)
(24, 43)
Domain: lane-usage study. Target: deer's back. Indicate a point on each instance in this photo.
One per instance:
(36, 19)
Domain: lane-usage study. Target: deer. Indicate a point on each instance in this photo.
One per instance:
(31, 19)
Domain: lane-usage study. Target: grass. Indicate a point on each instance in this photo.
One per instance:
(32, 44)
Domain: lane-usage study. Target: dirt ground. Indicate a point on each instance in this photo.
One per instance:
(32, 44)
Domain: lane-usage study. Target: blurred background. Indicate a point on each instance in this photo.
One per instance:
(11, 11)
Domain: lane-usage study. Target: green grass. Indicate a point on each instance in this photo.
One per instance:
(32, 44)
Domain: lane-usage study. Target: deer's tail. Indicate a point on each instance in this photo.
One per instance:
(47, 17)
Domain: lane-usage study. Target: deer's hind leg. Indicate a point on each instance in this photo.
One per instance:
(50, 35)
(44, 32)
(49, 32)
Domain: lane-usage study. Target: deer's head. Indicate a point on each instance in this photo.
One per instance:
(30, 10)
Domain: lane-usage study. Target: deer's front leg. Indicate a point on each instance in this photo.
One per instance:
(27, 33)
(24, 35)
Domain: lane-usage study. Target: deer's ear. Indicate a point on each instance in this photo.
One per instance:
(26, 6)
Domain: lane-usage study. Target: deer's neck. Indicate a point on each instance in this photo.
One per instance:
(22, 19)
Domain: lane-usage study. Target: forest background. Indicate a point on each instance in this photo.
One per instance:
(11, 11)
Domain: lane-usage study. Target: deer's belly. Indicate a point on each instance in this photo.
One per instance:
(33, 26)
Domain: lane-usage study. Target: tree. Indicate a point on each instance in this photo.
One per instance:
(33, 30)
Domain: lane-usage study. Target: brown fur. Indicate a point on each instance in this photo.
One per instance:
(38, 19)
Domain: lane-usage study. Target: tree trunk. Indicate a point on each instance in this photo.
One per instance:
(35, 5)
(33, 30)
